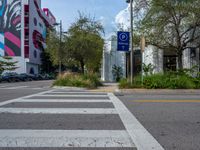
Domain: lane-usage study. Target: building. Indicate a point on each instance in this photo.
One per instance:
(23, 27)
(163, 60)
(111, 58)
(160, 60)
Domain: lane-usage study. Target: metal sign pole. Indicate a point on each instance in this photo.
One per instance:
(59, 53)
(142, 46)
(131, 38)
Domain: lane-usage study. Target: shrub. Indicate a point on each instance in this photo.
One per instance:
(170, 81)
(117, 73)
(78, 80)
(125, 83)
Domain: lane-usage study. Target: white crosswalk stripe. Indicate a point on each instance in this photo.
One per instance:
(41, 138)
(49, 95)
(63, 100)
(58, 110)
(67, 138)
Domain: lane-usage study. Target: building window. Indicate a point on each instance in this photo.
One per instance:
(35, 54)
(35, 21)
(41, 26)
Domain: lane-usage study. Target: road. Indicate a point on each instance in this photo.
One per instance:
(37, 117)
(34, 116)
(18, 89)
(173, 119)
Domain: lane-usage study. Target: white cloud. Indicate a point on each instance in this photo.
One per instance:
(102, 19)
(122, 19)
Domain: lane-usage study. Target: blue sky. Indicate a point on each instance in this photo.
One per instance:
(104, 10)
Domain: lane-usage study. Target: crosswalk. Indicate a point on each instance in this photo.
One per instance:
(71, 119)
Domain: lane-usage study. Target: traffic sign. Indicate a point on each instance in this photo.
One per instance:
(123, 39)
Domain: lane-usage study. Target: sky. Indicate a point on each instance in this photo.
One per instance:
(109, 12)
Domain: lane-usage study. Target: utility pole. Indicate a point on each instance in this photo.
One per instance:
(131, 38)
(60, 47)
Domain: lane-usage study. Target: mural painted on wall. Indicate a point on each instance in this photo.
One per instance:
(10, 27)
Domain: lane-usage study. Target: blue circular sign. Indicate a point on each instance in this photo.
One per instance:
(123, 37)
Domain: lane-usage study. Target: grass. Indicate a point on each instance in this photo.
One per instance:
(90, 81)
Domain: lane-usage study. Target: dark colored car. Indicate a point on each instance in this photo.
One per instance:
(25, 77)
(10, 77)
(33, 77)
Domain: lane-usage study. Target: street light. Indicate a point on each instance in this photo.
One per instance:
(131, 37)
(60, 44)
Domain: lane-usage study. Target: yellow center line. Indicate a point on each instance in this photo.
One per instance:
(166, 101)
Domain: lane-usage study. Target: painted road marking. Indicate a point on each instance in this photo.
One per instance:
(18, 99)
(67, 92)
(49, 95)
(166, 101)
(65, 138)
(12, 87)
(140, 136)
(16, 87)
(58, 110)
(64, 101)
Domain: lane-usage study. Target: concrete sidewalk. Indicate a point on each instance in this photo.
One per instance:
(107, 87)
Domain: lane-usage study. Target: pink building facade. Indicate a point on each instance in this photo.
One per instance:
(23, 27)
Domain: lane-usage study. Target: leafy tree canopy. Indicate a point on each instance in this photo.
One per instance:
(172, 25)
(84, 44)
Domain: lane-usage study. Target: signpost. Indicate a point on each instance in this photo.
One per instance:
(142, 47)
(123, 39)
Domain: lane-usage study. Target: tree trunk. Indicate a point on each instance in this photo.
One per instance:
(82, 67)
(180, 60)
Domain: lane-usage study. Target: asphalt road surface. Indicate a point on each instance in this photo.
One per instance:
(173, 119)
(34, 116)
(18, 89)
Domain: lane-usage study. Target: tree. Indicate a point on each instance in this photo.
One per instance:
(172, 25)
(52, 46)
(84, 44)
(47, 65)
(6, 63)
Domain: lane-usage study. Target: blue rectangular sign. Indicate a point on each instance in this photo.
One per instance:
(123, 39)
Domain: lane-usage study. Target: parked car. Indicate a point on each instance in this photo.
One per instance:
(25, 77)
(33, 77)
(10, 77)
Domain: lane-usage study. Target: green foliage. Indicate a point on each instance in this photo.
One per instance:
(78, 80)
(6, 64)
(148, 69)
(81, 48)
(53, 46)
(117, 73)
(169, 81)
(84, 44)
(47, 65)
(172, 25)
(125, 83)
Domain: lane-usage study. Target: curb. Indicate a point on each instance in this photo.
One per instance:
(160, 91)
